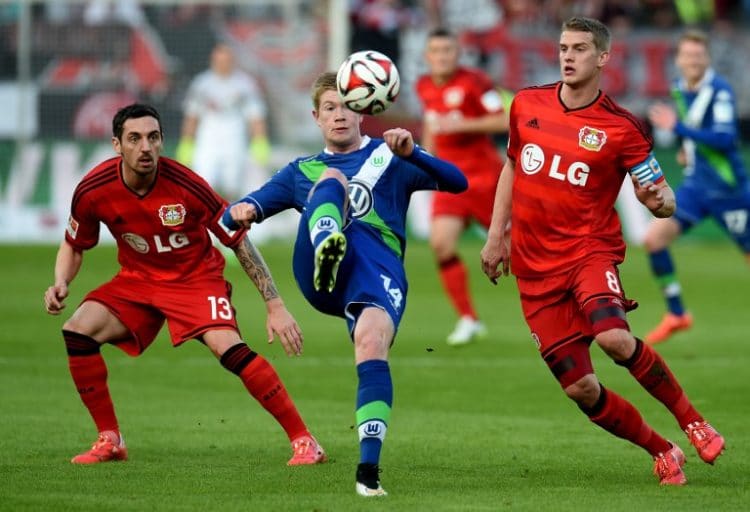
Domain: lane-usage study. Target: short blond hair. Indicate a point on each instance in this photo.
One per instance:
(694, 35)
(597, 29)
(326, 81)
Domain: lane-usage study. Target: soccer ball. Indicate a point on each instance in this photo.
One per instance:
(368, 82)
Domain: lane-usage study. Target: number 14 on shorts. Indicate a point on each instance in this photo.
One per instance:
(394, 294)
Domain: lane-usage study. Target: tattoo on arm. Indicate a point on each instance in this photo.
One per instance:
(255, 267)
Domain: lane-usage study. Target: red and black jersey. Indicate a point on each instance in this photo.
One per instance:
(162, 235)
(468, 93)
(569, 167)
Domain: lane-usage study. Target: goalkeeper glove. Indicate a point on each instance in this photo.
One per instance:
(185, 150)
(260, 151)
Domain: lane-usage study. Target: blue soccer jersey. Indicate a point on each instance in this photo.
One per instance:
(380, 185)
(715, 182)
(708, 127)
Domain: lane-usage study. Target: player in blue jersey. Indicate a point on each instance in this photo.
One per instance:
(715, 182)
(348, 256)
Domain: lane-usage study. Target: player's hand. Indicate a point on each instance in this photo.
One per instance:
(54, 298)
(243, 213)
(281, 323)
(400, 141)
(649, 194)
(681, 157)
(662, 116)
(495, 257)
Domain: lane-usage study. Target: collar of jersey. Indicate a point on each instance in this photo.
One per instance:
(365, 142)
(708, 76)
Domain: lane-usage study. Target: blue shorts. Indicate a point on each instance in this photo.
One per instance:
(731, 210)
(369, 275)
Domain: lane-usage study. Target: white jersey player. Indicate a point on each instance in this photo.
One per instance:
(224, 124)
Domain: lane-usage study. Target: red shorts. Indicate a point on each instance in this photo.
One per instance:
(475, 203)
(565, 311)
(190, 307)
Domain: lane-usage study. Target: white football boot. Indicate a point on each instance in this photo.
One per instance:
(466, 330)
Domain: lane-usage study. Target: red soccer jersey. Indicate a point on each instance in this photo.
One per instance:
(569, 166)
(468, 93)
(162, 235)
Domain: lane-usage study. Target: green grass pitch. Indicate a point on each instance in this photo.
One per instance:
(482, 427)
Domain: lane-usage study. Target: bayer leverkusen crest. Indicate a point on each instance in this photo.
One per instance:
(591, 138)
(172, 214)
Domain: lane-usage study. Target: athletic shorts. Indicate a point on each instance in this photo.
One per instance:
(582, 303)
(730, 210)
(190, 307)
(475, 203)
(370, 274)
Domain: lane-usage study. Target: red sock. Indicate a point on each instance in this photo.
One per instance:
(618, 416)
(456, 284)
(262, 381)
(90, 377)
(652, 372)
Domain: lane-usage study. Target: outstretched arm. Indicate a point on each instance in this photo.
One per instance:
(488, 123)
(67, 265)
(664, 117)
(448, 177)
(239, 214)
(279, 322)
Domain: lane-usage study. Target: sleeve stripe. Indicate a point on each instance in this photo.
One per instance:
(203, 196)
(202, 192)
(614, 108)
(89, 184)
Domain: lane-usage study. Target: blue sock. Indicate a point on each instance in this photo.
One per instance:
(374, 400)
(663, 268)
(326, 209)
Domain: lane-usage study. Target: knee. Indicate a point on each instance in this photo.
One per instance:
(660, 234)
(333, 173)
(652, 242)
(443, 249)
(585, 391)
(618, 344)
(73, 325)
(371, 345)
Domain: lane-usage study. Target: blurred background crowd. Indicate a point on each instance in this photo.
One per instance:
(66, 66)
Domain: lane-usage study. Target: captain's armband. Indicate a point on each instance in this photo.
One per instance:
(648, 170)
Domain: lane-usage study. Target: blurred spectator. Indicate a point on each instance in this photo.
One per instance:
(189, 34)
(695, 12)
(225, 122)
(465, 15)
(375, 26)
(127, 12)
(474, 21)
(561, 10)
(659, 13)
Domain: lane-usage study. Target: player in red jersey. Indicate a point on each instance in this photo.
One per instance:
(570, 148)
(160, 214)
(462, 108)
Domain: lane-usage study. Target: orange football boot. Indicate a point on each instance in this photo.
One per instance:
(707, 441)
(108, 447)
(306, 451)
(669, 325)
(668, 466)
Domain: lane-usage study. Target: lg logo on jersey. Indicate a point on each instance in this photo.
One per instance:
(139, 244)
(533, 161)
